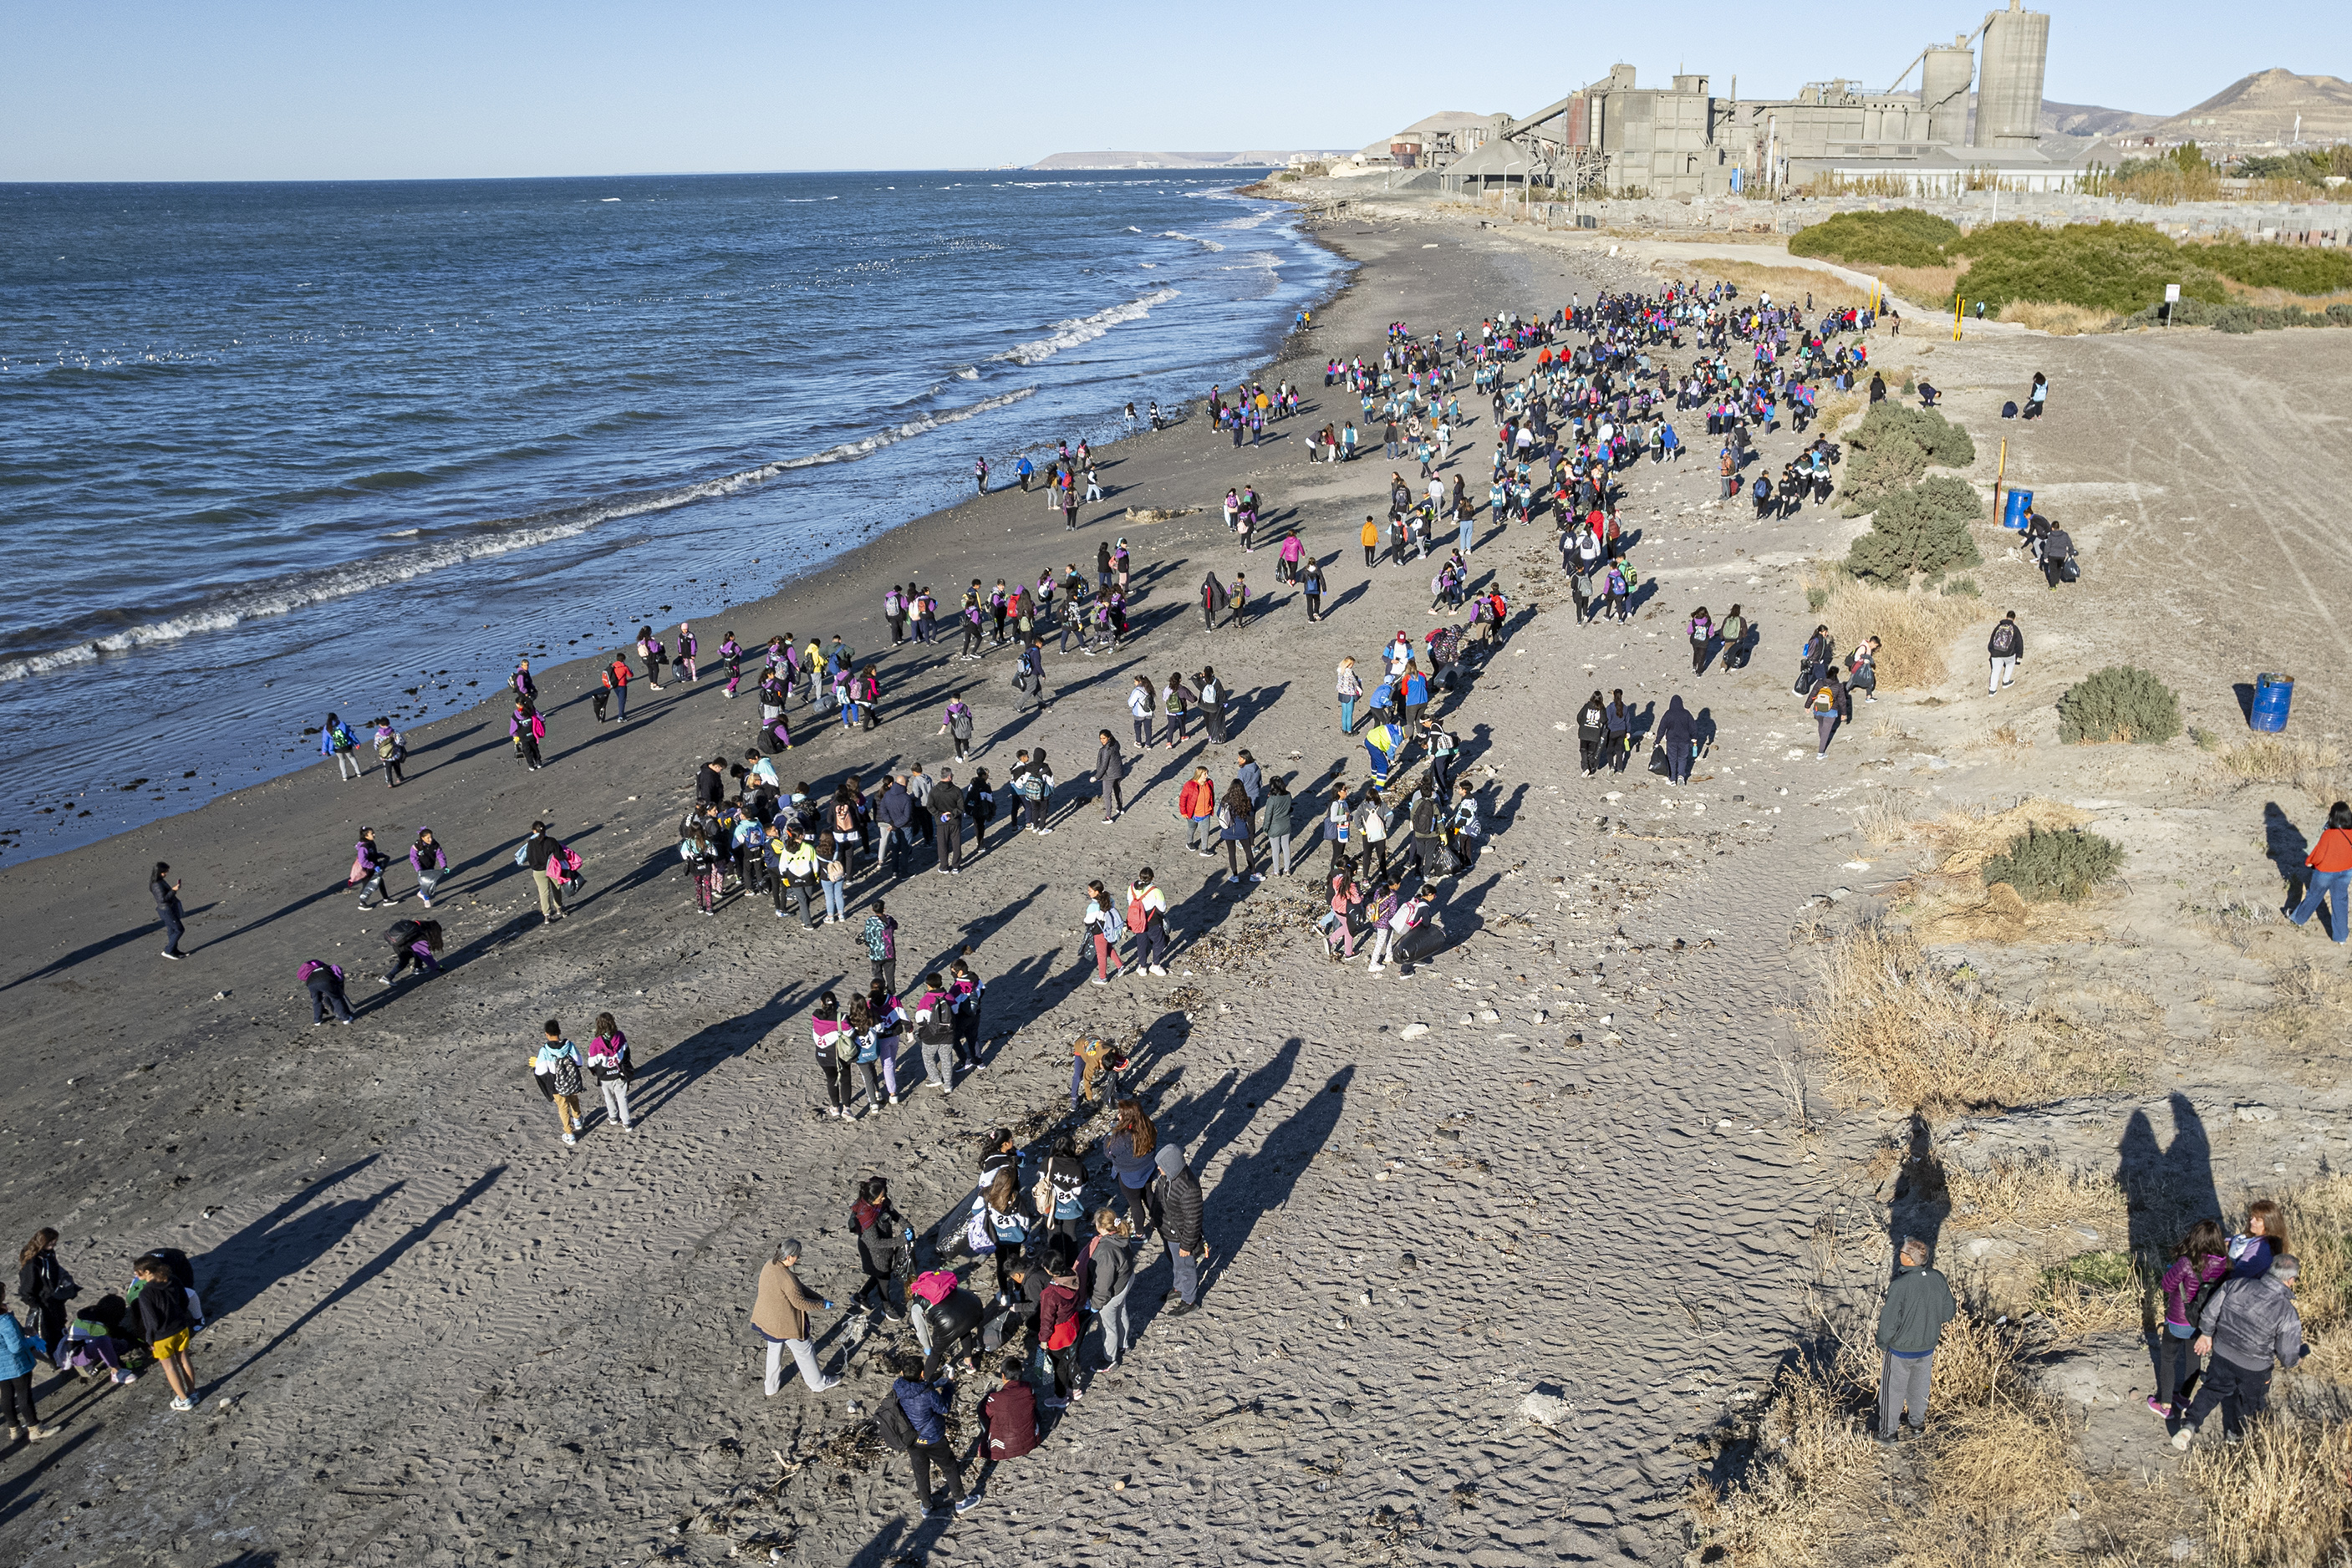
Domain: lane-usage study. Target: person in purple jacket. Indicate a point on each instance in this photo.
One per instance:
(427, 858)
(2203, 1260)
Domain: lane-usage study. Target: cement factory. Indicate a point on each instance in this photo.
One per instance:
(1617, 138)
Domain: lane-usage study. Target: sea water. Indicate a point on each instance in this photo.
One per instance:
(270, 450)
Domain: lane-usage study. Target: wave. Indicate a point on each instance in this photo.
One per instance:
(296, 591)
(1083, 330)
(1177, 234)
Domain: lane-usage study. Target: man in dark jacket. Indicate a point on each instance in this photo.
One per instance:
(165, 889)
(1110, 767)
(2250, 1322)
(1179, 1227)
(947, 822)
(2006, 647)
(1918, 1304)
(894, 809)
(927, 1411)
(2056, 551)
(710, 782)
(954, 1325)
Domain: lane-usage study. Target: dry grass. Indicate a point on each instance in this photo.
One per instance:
(1928, 288)
(2058, 320)
(1884, 821)
(2308, 1002)
(2004, 741)
(2314, 767)
(2036, 1194)
(1906, 1034)
(1784, 283)
(1815, 1468)
(2281, 1497)
(1915, 629)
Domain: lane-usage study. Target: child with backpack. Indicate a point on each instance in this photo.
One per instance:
(413, 942)
(913, 1422)
(1106, 923)
(555, 1066)
(609, 1064)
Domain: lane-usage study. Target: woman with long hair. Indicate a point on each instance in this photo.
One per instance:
(1132, 1142)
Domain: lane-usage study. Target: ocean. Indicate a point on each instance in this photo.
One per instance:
(269, 450)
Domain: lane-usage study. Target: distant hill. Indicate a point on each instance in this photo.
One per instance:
(2089, 120)
(2263, 108)
(1248, 160)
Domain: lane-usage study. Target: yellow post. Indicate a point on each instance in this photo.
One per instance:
(1959, 304)
(2000, 469)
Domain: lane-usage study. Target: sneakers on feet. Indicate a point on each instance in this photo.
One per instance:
(2158, 1407)
(184, 1406)
(175, 957)
(2182, 1439)
(569, 1139)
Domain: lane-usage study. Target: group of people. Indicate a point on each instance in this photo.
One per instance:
(1045, 1250)
(148, 1325)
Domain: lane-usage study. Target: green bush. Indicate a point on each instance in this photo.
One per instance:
(1892, 448)
(2119, 703)
(2298, 269)
(2246, 318)
(2117, 266)
(1923, 529)
(1904, 237)
(2063, 865)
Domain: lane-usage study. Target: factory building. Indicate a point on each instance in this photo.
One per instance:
(1617, 137)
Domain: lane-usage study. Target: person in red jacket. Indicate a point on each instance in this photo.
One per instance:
(1197, 803)
(2331, 873)
(1057, 1331)
(1009, 1416)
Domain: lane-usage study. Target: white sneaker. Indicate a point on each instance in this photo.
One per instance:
(1101, 981)
(2182, 1439)
(1371, 969)
(569, 1139)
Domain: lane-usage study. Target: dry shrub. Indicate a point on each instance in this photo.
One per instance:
(1785, 283)
(2095, 1293)
(2007, 740)
(1969, 838)
(1815, 1466)
(1914, 628)
(1905, 1033)
(1999, 915)
(2313, 767)
(1883, 821)
(2280, 1497)
(2308, 1002)
(1832, 409)
(2059, 320)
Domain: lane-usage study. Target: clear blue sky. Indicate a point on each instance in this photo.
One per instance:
(270, 90)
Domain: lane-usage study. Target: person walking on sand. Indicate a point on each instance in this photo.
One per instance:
(527, 728)
(2330, 864)
(1351, 691)
(1829, 704)
(2249, 1323)
(884, 1240)
(1918, 1304)
(1110, 1270)
(391, 751)
(1147, 919)
(2006, 647)
(428, 859)
(555, 1065)
(1678, 733)
(781, 1312)
(687, 649)
(369, 863)
(2199, 1266)
(609, 1064)
(167, 1322)
(164, 889)
(615, 680)
(336, 741)
(924, 1411)
(1180, 1228)
(1196, 803)
(1110, 770)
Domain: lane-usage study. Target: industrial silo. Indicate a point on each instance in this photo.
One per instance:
(1944, 82)
(2008, 90)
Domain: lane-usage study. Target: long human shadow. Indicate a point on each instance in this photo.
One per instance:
(661, 1078)
(2167, 1187)
(20, 1493)
(2285, 843)
(377, 1265)
(284, 1241)
(148, 929)
(1256, 1183)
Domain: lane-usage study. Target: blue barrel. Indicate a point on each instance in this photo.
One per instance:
(2017, 510)
(2274, 694)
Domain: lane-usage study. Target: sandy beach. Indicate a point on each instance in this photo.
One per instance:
(1569, 1157)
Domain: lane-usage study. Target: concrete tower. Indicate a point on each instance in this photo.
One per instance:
(2008, 90)
(1944, 82)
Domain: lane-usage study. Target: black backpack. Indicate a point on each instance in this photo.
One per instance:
(401, 933)
(891, 1424)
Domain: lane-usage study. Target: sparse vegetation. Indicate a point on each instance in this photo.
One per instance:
(2119, 703)
(1892, 448)
(1921, 529)
(2058, 320)
(1904, 1032)
(1913, 627)
(2067, 864)
(2314, 767)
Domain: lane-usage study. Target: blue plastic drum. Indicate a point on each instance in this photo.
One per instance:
(2273, 695)
(2015, 512)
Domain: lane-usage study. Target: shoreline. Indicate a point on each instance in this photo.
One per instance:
(395, 1181)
